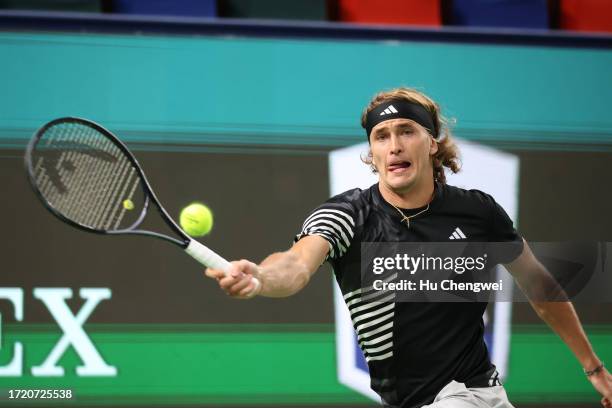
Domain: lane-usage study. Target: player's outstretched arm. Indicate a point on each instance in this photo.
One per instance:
(534, 280)
(280, 274)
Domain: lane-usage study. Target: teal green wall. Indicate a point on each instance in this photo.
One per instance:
(191, 90)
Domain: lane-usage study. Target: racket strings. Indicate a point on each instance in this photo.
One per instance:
(100, 195)
(54, 185)
(56, 180)
(75, 205)
(135, 184)
(100, 171)
(86, 177)
(95, 198)
(111, 206)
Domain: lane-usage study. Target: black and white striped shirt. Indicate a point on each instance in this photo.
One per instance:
(413, 349)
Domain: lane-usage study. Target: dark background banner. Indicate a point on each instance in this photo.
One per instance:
(259, 202)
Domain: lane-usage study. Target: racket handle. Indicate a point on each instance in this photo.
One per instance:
(206, 256)
(211, 259)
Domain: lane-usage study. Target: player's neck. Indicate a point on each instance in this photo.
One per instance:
(415, 197)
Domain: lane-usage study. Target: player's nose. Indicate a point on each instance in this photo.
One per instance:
(395, 145)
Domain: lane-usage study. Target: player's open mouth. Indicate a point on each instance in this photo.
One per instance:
(398, 167)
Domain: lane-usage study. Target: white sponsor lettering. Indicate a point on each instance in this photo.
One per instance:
(72, 326)
(15, 367)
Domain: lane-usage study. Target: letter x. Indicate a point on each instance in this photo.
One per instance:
(72, 327)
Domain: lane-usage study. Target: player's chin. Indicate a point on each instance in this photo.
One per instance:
(400, 182)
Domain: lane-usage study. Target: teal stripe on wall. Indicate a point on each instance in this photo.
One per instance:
(243, 91)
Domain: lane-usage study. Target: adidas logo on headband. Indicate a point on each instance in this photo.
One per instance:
(390, 109)
(401, 109)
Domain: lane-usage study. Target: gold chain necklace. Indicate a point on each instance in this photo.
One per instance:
(406, 218)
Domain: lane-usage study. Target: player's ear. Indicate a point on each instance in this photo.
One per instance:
(433, 146)
(369, 160)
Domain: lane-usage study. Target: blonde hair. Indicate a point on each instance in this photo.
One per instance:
(448, 152)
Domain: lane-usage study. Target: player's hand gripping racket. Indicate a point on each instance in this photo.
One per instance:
(88, 178)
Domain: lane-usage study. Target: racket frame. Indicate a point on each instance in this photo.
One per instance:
(198, 251)
(148, 191)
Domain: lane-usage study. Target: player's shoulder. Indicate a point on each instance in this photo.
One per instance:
(470, 199)
(350, 205)
(353, 196)
(354, 200)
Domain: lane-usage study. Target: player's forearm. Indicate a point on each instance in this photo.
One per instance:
(559, 314)
(562, 318)
(282, 274)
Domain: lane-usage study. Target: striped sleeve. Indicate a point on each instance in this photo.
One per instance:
(335, 224)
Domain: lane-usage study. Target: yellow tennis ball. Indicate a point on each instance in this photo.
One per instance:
(128, 204)
(196, 219)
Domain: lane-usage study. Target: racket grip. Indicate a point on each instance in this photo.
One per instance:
(211, 259)
(206, 256)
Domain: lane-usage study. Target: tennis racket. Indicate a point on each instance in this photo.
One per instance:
(89, 179)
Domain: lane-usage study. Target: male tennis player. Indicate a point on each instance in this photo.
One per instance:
(419, 354)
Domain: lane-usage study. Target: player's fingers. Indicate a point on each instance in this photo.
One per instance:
(214, 273)
(237, 269)
(243, 267)
(236, 288)
(248, 290)
(227, 282)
